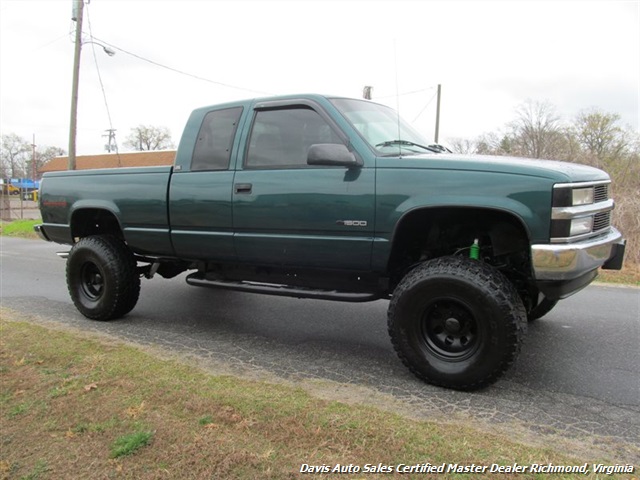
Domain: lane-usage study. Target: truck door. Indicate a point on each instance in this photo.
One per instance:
(286, 212)
(200, 196)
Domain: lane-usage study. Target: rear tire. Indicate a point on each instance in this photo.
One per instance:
(102, 277)
(457, 323)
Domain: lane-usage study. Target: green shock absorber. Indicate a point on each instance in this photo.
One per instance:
(474, 251)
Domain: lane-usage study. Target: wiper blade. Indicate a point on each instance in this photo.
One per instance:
(407, 143)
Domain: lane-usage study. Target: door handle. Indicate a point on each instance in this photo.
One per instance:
(243, 188)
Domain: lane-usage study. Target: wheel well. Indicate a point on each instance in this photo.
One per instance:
(94, 221)
(431, 233)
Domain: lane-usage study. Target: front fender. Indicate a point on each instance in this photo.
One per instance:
(401, 191)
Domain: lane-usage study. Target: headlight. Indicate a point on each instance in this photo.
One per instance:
(582, 196)
(580, 226)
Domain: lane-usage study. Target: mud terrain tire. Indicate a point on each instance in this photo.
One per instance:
(457, 323)
(102, 277)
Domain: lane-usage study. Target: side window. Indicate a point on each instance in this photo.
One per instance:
(282, 137)
(213, 145)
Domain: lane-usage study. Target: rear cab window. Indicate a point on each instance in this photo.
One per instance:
(212, 150)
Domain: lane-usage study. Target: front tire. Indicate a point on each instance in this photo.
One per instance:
(102, 277)
(456, 323)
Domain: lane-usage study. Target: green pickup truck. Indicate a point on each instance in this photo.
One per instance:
(335, 198)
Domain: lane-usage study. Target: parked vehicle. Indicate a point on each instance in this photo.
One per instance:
(9, 189)
(333, 198)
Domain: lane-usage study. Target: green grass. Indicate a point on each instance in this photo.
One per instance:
(19, 228)
(39, 471)
(206, 420)
(204, 426)
(128, 444)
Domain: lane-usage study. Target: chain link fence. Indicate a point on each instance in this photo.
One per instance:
(22, 205)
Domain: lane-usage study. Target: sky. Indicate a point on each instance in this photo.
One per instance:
(488, 56)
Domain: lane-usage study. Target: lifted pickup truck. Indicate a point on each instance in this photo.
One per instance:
(335, 198)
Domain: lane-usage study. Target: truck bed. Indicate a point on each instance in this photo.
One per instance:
(137, 198)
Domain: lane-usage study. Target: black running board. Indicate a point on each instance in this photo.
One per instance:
(197, 280)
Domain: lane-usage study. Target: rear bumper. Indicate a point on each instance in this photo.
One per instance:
(39, 229)
(563, 269)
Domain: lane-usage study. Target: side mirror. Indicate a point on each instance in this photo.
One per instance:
(332, 154)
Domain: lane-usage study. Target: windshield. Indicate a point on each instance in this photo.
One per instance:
(381, 127)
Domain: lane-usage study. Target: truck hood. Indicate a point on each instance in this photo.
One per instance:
(551, 169)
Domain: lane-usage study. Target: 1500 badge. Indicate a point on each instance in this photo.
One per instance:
(352, 223)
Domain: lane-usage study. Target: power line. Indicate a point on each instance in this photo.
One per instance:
(51, 42)
(181, 72)
(425, 107)
(104, 94)
(405, 93)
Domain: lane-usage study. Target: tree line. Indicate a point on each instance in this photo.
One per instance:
(593, 137)
(18, 157)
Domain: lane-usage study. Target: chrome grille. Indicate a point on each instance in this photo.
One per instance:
(601, 193)
(601, 221)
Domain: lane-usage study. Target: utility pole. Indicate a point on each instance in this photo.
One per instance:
(33, 158)
(438, 115)
(78, 10)
(366, 92)
(111, 146)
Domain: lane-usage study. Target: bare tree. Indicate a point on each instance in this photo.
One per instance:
(536, 131)
(494, 143)
(463, 145)
(15, 152)
(149, 137)
(43, 155)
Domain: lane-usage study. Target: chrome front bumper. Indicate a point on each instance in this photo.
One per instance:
(567, 261)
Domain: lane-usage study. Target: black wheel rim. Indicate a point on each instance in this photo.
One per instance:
(450, 330)
(91, 281)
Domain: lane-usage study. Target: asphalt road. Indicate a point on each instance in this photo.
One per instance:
(576, 382)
